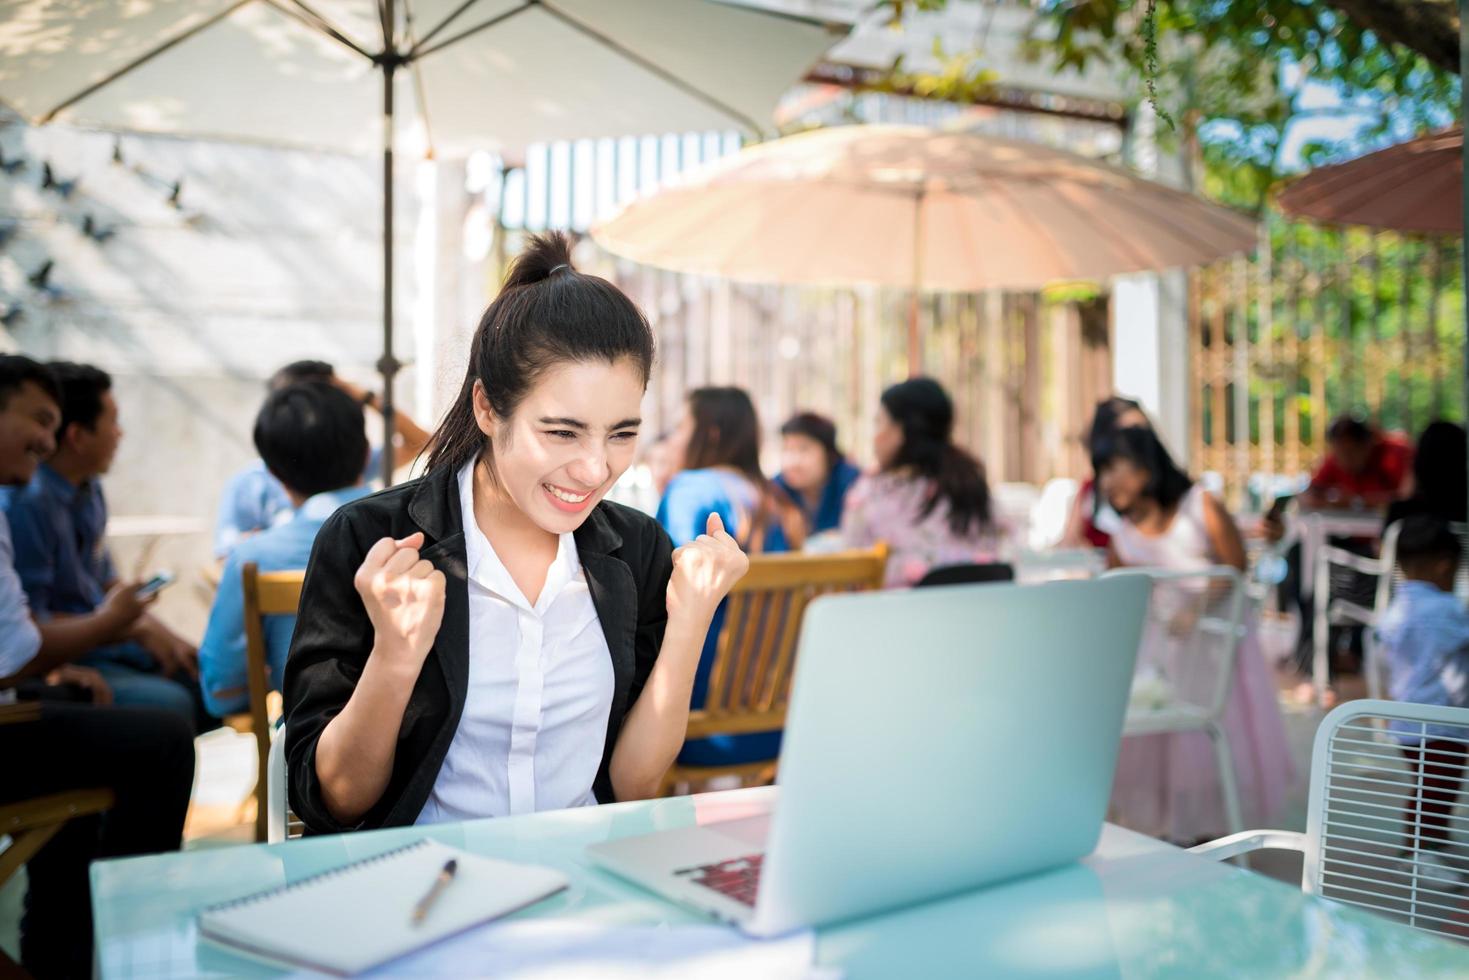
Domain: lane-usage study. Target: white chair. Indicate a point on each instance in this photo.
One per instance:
(275, 789)
(281, 823)
(1368, 841)
(1200, 615)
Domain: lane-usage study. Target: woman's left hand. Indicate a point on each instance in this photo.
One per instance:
(704, 570)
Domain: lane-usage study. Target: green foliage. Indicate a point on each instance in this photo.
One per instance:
(1226, 76)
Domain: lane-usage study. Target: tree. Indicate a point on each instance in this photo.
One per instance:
(1228, 76)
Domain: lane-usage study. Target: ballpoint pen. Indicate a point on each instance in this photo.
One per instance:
(420, 911)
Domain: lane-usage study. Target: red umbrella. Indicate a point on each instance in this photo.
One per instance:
(1417, 186)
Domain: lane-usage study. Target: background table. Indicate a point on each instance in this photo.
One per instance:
(1135, 908)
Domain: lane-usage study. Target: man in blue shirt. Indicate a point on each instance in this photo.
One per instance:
(312, 440)
(58, 521)
(254, 499)
(145, 756)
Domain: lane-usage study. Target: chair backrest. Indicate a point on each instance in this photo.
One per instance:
(1388, 584)
(1381, 824)
(750, 680)
(1191, 637)
(967, 575)
(266, 594)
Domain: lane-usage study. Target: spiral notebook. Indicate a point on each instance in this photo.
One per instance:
(357, 917)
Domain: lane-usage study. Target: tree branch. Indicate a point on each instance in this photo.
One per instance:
(1430, 27)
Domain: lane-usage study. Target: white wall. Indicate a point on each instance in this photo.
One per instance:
(274, 257)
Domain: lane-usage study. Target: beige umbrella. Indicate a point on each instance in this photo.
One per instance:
(919, 209)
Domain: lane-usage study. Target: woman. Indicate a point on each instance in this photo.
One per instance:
(494, 638)
(1168, 785)
(1439, 476)
(718, 441)
(814, 475)
(1092, 519)
(928, 501)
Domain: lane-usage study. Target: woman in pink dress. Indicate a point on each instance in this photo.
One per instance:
(928, 501)
(1168, 785)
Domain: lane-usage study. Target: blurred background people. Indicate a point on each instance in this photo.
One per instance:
(1440, 474)
(312, 440)
(929, 500)
(1168, 785)
(814, 475)
(717, 446)
(58, 521)
(254, 499)
(1093, 521)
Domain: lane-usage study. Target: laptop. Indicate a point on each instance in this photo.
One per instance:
(937, 740)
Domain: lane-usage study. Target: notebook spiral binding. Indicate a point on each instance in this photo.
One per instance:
(307, 882)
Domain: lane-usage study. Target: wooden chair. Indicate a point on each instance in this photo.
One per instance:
(30, 824)
(266, 594)
(750, 681)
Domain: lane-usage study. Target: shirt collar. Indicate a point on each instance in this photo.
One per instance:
(1426, 589)
(322, 505)
(55, 484)
(486, 568)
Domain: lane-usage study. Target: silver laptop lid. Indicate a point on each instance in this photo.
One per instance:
(940, 739)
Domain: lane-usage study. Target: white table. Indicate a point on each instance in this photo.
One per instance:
(1134, 908)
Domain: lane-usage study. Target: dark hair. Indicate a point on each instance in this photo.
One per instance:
(1104, 425)
(546, 313)
(312, 437)
(726, 432)
(1167, 484)
(817, 428)
(1423, 538)
(1350, 428)
(82, 387)
(1441, 470)
(17, 370)
(1104, 419)
(923, 410)
(298, 371)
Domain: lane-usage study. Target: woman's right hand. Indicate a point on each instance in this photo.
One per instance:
(404, 597)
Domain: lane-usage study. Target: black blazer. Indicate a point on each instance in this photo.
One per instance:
(627, 558)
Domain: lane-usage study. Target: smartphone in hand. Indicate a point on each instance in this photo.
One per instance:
(154, 585)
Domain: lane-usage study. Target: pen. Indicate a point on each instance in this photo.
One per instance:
(420, 911)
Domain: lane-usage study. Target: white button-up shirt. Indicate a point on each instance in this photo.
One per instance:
(19, 638)
(540, 689)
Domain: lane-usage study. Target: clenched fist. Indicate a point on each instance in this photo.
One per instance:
(704, 570)
(404, 596)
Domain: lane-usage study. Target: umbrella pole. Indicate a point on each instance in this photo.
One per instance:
(915, 339)
(388, 365)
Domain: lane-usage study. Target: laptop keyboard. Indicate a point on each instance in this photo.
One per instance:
(737, 878)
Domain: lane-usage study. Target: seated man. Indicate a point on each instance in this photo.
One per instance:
(254, 500)
(145, 756)
(58, 519)
(1363, 466)
(312, 439)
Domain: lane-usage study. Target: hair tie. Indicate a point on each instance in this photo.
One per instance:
(557, 269)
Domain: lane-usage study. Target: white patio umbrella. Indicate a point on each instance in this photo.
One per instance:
(919, 209)
(333, 74)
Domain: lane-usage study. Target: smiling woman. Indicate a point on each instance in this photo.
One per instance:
(495, 638)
